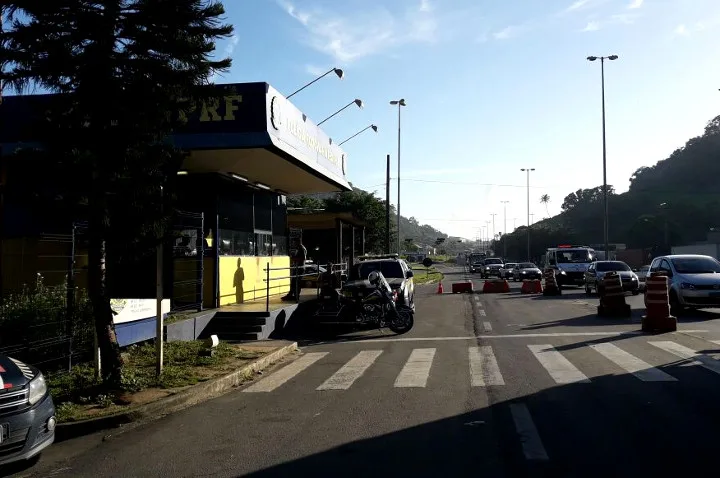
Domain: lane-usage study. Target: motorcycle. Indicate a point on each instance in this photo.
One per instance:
(362, 305)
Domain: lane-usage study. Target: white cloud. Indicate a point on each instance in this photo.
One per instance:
(509, 32)
(592, 27)
(681, 30)
(232, 43)
(354, 35)
(635, 4)
(315, 70)
(576, 5)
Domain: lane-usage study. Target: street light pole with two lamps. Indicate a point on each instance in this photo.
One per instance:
(527, 170)
(400, 103)
(605, 191)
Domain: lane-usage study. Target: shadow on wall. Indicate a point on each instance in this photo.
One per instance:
(238, 279)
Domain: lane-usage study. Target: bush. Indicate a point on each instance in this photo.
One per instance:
(37, 327)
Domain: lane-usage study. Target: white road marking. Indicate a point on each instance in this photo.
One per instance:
(559, 368)
(484, 368)
(416, 371)
(716, 342)
(351, 371)
(370, 339)
(641, 369)
(532, 445)
(477, 301)
(487, 327)
(273, 381)
(482, 312)
(688, 353)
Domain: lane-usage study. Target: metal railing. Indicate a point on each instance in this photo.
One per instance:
(295, 277)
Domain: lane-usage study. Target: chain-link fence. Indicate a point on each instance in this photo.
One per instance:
(45, 315)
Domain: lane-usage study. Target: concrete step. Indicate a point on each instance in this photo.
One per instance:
(239, 336)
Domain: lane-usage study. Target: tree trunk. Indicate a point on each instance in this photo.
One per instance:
(110, 358)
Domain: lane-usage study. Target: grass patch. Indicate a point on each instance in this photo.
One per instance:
(78, 395)
(423, 275)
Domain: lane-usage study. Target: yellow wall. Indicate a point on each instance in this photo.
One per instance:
(252, 272)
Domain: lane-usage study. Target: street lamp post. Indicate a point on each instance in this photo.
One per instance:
(400, 103)
(374, 128)
(356, 101)
(527, 171)
(340, 74)
(605, 191)
(493, 222)
(505, 203)
(487, 235)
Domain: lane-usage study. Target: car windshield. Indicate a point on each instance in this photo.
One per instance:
(696, 265)
(575, 256)
(510, 265)
(644, 269)
(492, 261)
(390, 269)
(528, 265)
(611, 266)
(476, 258)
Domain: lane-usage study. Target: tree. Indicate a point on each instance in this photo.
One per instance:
(545, 199)
(370, 209)
(128, 72)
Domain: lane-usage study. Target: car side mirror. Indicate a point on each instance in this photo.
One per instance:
(635, 270)
(409, 275)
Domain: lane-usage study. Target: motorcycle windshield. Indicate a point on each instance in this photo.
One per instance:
(383, 283)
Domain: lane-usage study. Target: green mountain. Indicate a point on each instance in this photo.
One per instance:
(674, 202)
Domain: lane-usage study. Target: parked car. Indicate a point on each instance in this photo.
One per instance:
(694, 280)
(506, 271)
(491, 267)
(27, 412)
(395, 270)
(526, 270)
(597, 270)
(642, 274)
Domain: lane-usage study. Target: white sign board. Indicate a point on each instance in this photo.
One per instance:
(129, 310)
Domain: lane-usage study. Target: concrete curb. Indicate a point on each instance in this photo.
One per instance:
(173, 403)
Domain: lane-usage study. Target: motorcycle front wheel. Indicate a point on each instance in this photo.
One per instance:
(403, 321)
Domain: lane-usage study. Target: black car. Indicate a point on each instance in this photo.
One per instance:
(27, 412)
(396, 272)
(475, 262)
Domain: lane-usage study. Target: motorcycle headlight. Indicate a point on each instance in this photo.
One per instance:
(37, 389)
(523, 272)
(687, 285)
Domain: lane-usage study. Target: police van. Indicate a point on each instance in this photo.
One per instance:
(570, 263)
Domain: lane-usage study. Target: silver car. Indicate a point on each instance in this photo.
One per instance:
(597, 270)
(694, 280)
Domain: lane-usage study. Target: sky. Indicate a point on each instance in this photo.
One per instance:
(491, 87)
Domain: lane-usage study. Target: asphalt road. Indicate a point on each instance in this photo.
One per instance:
(496, 385)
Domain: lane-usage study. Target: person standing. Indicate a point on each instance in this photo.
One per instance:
(298, 257)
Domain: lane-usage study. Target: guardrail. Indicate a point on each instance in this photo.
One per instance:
(330, 269)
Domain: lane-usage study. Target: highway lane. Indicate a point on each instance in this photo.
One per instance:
(485, 384)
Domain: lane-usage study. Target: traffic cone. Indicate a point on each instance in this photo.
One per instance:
(440, 288)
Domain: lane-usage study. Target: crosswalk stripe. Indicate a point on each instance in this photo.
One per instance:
(641, 369)
(559, 368)
(487, 327)
(351, 371)
(484, 368)
(532, 445)
(271, 382)
(416, 371)
(688, 353)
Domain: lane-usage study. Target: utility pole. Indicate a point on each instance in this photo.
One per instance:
(493, 221)
(505, 203)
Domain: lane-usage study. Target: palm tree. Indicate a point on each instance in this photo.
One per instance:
(545, 199)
